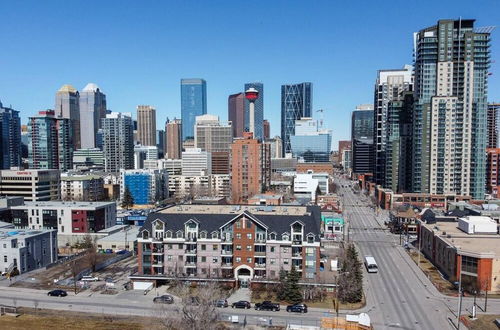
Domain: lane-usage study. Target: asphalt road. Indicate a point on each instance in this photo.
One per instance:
(399, 296)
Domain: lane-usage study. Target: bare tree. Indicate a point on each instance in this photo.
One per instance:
(91, 255)
(197, 309)
(74, 268)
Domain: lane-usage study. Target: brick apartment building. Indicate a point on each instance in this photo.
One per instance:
(492, 175)
(231, 242)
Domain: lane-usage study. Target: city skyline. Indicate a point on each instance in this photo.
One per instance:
(342, 78)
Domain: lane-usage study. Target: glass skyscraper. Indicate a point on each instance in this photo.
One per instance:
(311, 143)
(296, 103)
(92, 110)
(362, 139)
(259, 111)
(10, 138)
(193, 103)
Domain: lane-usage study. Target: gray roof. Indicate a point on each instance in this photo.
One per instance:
(213, 222)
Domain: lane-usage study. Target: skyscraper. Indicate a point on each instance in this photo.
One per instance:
(92, 104)
(160, 142)
(236, 113)
(10, 138)
(266, 129)
(193, 103)
(50, 142)
(311, 143)
(250, 168)
(118, 142)
(146, 125)
(173, 143)
(259, 110)
(296, 102)
(493, 125)
(362, 139)
(450, 107)
(68, 106)
(390, 87)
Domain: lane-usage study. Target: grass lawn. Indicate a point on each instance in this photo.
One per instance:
(327, 303)
(48, 319)
(484, 322)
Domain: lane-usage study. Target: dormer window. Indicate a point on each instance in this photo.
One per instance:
(203, 234)
(310, 238)
(297, 227)
(159, 229)
(145, 234)
(178, 234)
(168, 234)
(215, 235)
(272, 236)
(285, 237)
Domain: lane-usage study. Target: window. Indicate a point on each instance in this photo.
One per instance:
(169, 234)
(169, 247)
(285, 261)
(180, 258)
(215, 235)
(272, 261)
(309, 263)
(309, 251)
(284, 237)
(215, 260)
(179, 246)
(62, 230)
(169, 258)
(271, 249)
(238, 224)
(238, 247)
(4, 258)
(285, 250)
(249, 224)
(469, 264)
(249, 260)
(249, 248)
(272, 236)
(203, 247)
(273, 273)
(203, 234)
(249, 236)
(215, 247)
(238, 236)
(238, 259)
(310, 238)
(203, 259)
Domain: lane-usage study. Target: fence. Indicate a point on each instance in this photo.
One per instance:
(65, 259)
(4, 309)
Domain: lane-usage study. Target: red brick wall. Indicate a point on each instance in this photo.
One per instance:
(244, 242)
(79, 221)
(484, 272)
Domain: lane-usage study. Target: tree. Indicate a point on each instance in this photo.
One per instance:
(350, 281)
(293, 292)
(91, 251)
(128, 200)
(283, 285)
(197, 313)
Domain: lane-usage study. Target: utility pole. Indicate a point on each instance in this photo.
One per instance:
(459, 294)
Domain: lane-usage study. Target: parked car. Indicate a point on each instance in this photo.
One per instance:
(297, 308)
(241, 304)
(89, 278)
(57, 293)
(221, 303)
(267, 306)
(165, 299)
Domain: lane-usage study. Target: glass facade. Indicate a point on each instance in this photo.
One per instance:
(193, 103)
(362, 141)
(313, 148)
(10, 138)
(296, 103)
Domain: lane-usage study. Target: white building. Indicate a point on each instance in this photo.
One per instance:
(210, 134)
(33, 185)
(82, 187)
(144, 153)
(27, 250)
(196, 162)
(305, 187)
(200, 185)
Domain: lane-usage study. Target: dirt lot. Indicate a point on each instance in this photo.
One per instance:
(484, 322)
(45, 279)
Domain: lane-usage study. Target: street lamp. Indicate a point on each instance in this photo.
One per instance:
(459, 287)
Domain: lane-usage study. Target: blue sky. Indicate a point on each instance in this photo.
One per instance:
(137, 51)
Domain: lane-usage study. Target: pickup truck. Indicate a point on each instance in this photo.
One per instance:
(267, 306)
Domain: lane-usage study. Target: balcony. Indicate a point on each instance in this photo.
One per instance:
(227, 252)
(227, 265)
(297, 255)
(158, 264)
(190, 251)
(296, 242)
(190, 264)
(260, 253)
(260, 241)
(158, 251)
(260, 266)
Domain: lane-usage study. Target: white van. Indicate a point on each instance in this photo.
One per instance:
(371, 264)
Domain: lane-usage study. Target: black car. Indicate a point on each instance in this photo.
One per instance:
(165, 299)
(57, 293)
(297, 308)
(221, 303)
(267, 306)
(241, 304)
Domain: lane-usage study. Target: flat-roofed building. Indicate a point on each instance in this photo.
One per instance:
(33, 185)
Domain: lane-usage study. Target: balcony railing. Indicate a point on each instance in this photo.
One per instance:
(296, 242)
(260, 240)
(227, 264)
(297, 255)
(190, 251)
(260, 253)
(260, 265)
(226, 252)
(190, 263)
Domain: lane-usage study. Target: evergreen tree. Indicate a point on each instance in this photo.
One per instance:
(293, 292)
(350, 281)
(282, 287)
(128, 200)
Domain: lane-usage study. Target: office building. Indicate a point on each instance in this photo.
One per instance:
(50, 142)
(118, 142)
(296, 102)
(238, 243)
(250, 168)
(173, 139)
(10, 138)
(146, 186)
(346, 159)
(266, 129)
(82, 187)
(92, 104)
(193, 103)
(452, 60)
(211, 134)
(258, 123)
(196, 162)
(493, 125)
(67, 106)
(390, 88)
(276, 146)
(310, 143)
(236, 113)
(362, 139)
(33, 185)
(27, 250)
(146, 125)
(67, 217)
(343, 145)
(160, 142)
(143, 154)
(92, 158)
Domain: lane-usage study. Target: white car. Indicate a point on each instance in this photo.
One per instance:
(88, 278)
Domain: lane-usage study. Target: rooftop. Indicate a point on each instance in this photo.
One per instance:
(129, 234)
(7, 233)
(236, 209)
(58, 204)
(267, 196)
(474, 245)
